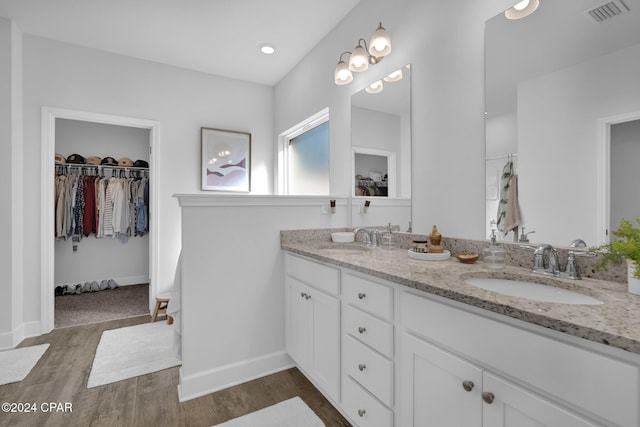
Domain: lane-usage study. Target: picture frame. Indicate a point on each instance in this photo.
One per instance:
(226, 160)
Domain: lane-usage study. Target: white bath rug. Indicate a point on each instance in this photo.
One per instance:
(16, 364)
(133, 351)
(290, 413)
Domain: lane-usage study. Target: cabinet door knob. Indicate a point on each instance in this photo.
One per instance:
(362, 329)
(361, 295)
(362, 367)
(488, 397)
(468, 385)
(361, 412)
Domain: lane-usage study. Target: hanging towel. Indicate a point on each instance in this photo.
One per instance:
(508, 208)
(512, 218)
(505, 180)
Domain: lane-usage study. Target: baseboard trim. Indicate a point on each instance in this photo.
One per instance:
(9, 340)
(207, 382)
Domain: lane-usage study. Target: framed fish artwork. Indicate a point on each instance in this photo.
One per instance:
(226, 160)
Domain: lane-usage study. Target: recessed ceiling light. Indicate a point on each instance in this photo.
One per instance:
(522, 9)
(267, 48)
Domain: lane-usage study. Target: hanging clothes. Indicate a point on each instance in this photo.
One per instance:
(508, 217)
(115, 207)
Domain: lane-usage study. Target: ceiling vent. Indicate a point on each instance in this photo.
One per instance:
(608, 10)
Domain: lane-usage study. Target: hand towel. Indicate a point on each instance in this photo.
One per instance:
(512, 218)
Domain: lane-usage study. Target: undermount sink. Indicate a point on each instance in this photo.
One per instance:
(534, 291)
(343, 250)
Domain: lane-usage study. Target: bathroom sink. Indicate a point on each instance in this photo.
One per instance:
(530, 290)
(337, 250)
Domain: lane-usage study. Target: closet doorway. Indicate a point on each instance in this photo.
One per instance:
(69, 262)
(618, 141)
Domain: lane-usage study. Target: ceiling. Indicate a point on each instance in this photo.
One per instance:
(219, 37)
(557, 35)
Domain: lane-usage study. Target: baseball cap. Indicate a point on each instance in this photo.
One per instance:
(76, 159)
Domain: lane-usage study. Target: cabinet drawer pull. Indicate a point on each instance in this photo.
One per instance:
(361, 412)
(361, 295)
(468, 385)
(362, 367)
(488, 397)
(362, 329)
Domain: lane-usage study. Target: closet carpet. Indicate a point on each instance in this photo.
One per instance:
(94, 307)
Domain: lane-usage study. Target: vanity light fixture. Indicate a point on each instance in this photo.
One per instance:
(522, 9)
(394, 77)
(362, 56)
(375, 87)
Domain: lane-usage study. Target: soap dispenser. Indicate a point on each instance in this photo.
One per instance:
(388, 238)
(493, 256)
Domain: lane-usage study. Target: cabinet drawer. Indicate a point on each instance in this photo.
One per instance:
(594, 381)
(373, 371)
(314, 274)
(362, 408)
(369, 296)
(368, 329)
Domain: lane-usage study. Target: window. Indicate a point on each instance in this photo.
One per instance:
(303, 157)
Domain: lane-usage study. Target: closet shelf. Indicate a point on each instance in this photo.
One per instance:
(80, 166)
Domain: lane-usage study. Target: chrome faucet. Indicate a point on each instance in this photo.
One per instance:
(366, 237)
(552, 268)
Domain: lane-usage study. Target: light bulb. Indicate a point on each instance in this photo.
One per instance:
(380, 42)
(359, 61)
(342, 74)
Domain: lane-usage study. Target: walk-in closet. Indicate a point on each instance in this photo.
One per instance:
(102, 222)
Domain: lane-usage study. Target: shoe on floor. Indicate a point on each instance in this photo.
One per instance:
(78, 289)
(104, 285)
(112, 284)
(58, 291)
(86, 287)
(95, 287)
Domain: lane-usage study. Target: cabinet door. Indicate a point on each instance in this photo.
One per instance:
(326, 341)
(516, 407)
(299, 326)
(437, 388)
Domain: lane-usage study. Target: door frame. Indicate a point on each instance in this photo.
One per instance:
(47, 167)
(604, 171)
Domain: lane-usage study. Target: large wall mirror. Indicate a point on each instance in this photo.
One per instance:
(563, 104)
(381, 151)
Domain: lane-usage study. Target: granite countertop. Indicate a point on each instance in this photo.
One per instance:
(615, 323)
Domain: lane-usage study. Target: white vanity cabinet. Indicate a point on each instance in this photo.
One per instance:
(389, 355)
(439, 388)
(313, 321)
(459, 368)
(367, 350)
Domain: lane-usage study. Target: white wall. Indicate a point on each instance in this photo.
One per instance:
(12, 328)
(71, 77)
(104, 258)
(557, 142)
(444, 43)
(233, 284)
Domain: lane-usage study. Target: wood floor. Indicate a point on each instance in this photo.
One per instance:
(150, 400)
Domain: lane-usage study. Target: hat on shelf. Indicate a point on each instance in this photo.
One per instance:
(76, 159)
(93, 160)
(141, 164)
(109, 161)
(125, 162)
(60, 160)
